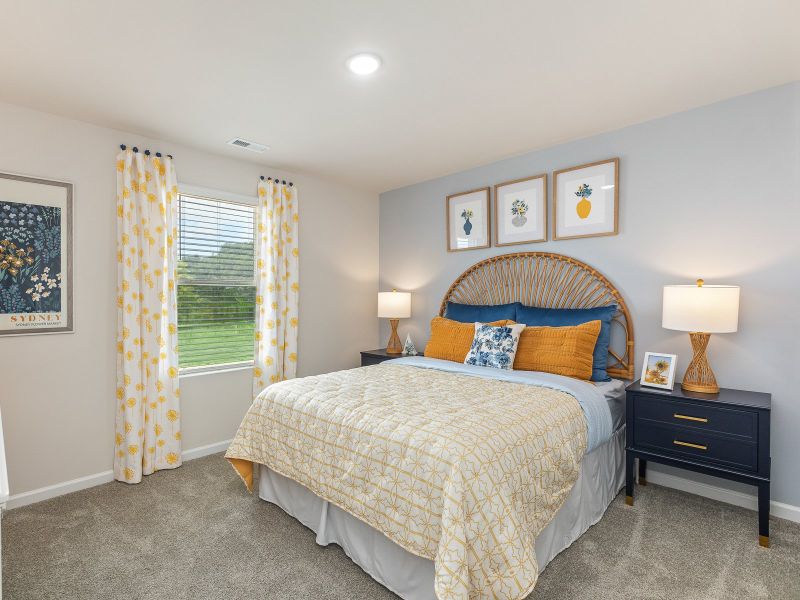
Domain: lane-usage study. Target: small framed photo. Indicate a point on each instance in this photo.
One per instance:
(520, 211)
(586, 200)
(468, 220)
(658, 370)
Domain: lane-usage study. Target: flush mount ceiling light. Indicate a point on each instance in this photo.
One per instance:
(364, 64)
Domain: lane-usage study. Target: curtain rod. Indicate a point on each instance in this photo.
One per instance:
(146, 152)
(283, 181)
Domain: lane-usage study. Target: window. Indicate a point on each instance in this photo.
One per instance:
(216, 282)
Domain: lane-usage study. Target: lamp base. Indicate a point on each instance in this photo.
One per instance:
(394, 346)
(699, 377)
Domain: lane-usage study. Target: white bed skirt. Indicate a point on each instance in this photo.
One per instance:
(411, 577)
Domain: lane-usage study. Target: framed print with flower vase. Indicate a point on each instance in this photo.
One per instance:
(586, 200)
(520, 211)
(468, 220)
(658, 370)
(35, 255)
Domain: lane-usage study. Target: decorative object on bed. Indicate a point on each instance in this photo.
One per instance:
(534, 316)
(35, 255)
(586, 200)
(277, 284)
(520, 211)
(452, 340)
(394, 306)
(701, 310)
(468, 220)
(468, 313)
(148, 425)
(547, 280)
(494, 346)
(565, 351)
(409, 349)
(724, 434)
(658, 370)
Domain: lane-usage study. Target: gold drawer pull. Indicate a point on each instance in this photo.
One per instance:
(698, 446)
(688, 418)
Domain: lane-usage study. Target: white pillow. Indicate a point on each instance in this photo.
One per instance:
(494, 346)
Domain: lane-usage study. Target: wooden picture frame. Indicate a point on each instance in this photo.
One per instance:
(567, 227)
(504, 211)
(460, 236)
(36, 266)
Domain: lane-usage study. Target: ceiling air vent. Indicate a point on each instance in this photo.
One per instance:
(252, 146)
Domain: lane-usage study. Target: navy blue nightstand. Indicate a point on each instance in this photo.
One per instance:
(724, 434)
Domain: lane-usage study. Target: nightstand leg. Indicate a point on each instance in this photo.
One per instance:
(763, 514)
(642, 471)
(629, 464)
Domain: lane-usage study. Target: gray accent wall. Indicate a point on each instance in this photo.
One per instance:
(713, 192)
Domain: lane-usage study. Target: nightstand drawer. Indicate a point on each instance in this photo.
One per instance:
(367, 360)
(703, 417)
(688, 442)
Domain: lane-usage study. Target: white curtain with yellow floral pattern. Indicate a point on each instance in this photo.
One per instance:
(148, 436)
(277, 285)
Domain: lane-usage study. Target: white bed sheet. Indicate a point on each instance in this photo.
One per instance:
(411, 577)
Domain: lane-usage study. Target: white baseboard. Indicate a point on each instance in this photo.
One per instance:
(750, 501)
(82, 483)
(776, 509)
(202, 451)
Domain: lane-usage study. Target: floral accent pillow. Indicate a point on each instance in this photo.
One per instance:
(494, 346)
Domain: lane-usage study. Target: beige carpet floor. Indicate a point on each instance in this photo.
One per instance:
(195, 534)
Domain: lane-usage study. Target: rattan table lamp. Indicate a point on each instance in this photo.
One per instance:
(701, 310)
(394, 305)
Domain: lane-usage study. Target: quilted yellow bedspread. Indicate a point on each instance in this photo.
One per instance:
(457, 469)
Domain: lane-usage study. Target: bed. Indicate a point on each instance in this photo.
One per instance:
(443, 480)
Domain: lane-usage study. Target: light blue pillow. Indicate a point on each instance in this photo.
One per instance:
(494, 346)
(534, 316)
(484, 313)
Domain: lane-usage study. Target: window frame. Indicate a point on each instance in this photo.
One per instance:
(214, 195)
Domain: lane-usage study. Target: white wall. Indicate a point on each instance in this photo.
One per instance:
(710, 193)
(57, 391)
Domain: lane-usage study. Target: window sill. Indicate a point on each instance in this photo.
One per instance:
(210, 369)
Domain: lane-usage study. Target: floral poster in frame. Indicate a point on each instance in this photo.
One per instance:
(520, 211)
(468, 220)
(586, 200)
(35, 255)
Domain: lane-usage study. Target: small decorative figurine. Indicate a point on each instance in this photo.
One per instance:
(409, 348)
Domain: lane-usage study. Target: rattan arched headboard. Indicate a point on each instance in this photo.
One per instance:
(550, 281)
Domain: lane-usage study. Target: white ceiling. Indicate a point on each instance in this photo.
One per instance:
(464, 82)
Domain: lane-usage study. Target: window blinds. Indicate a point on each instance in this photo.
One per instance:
(216, 282)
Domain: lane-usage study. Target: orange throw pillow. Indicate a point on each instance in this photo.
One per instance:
(451, 340)
(559, 350)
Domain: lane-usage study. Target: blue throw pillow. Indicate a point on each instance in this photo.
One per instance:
(533, 316)
(482, 313)
(494, 346)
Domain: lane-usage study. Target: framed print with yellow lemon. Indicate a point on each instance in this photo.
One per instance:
(586, 200)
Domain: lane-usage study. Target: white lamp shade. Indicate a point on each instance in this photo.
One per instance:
(394, 305)
(701, 308)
